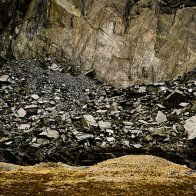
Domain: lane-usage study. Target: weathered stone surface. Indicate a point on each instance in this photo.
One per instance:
(34, 96)
(53, 134)
(88, 120)
(111, 140)
(70, 8)
(4, 78)
(40, 142)
(137, 145)
(24, 126)
(21, 112)
(161, 117)
(190, 127)
(107, 36)
(105, 125)
(82, 136)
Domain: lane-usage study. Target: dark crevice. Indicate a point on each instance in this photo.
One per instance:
(128, 6)
(12, 15)
(93, 157)
(170, 7)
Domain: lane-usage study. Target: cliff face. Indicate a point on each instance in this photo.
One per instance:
(124, 41)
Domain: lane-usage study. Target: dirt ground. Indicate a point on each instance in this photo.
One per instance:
(128, 175)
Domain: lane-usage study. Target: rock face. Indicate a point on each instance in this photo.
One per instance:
(124, 41)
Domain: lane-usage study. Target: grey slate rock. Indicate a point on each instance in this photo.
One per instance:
(34, 96)
(136, 145)
(49, 133)
(21, 112)
(161, 117)
(105, 125)
(88, 120)
(24, 126)
(82, 136)
(111, 140)
(4, 78)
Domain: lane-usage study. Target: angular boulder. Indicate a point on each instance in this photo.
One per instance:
(190, 127)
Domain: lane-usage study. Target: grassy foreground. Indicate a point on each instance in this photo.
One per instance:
(128, 175)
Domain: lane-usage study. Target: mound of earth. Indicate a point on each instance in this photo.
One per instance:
(128, 175)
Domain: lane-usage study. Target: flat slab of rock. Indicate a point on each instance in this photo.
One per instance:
(161, 117)
(24, 126)
(4, 78)
(82, 136)
(88, 120)
(110, 139)
(21, 112)
(52, 134)
(34, 96)
(137, 145)
(54, 67)
(105, 125)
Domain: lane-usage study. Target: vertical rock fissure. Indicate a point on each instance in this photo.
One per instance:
(128, 6)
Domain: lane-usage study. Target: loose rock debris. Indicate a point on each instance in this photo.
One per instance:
(51, 113)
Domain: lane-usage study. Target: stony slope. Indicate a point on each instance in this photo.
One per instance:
(48, 114)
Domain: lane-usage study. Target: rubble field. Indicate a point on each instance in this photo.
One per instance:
(51, 111)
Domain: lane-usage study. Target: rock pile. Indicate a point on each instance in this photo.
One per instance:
(49, 114)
